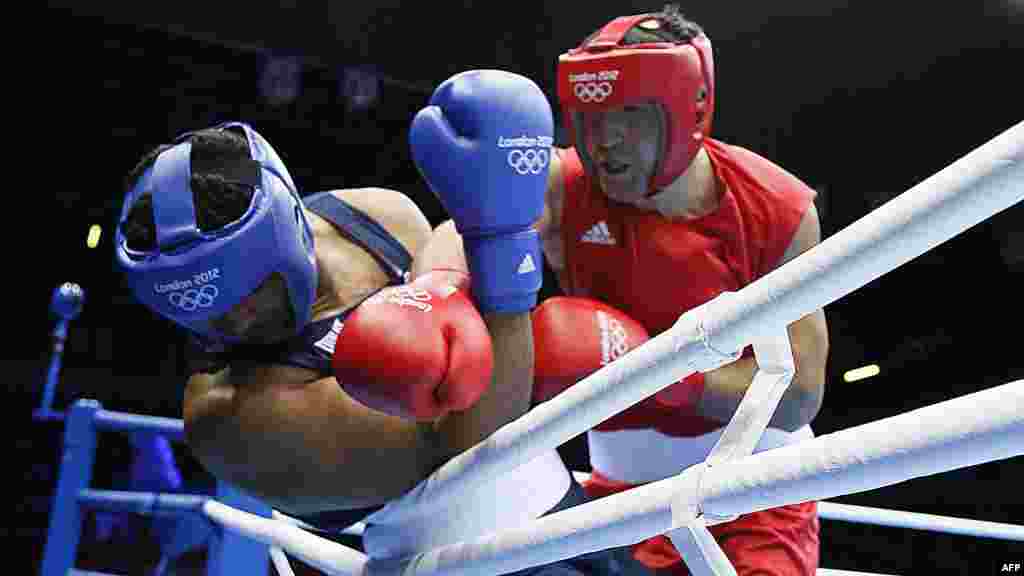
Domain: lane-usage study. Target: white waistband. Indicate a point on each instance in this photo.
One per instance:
(646, 455)
(515, 498)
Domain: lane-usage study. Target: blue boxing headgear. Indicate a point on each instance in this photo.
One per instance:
(192, 276)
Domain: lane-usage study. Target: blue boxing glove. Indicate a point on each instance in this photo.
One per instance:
(483, 145)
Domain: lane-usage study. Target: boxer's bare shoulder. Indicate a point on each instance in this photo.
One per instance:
(349, 272)
(393, 210)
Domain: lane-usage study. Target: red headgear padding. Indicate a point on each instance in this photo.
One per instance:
(602, 74)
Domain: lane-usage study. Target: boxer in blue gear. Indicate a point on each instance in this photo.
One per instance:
(262, 408)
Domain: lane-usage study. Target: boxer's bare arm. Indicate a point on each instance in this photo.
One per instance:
(443, 250)
(724, 387)
(508, 396)
(550, 224)
(302, 444)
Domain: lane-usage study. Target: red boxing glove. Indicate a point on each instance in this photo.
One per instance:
(574, 337)
(418, 351)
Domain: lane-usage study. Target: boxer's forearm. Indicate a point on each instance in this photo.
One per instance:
(724, 389)
(508, 396)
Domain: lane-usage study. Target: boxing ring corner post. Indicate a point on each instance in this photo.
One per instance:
(78, 454)
(228, 552)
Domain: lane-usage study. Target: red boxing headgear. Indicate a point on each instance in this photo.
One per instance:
(602, 74)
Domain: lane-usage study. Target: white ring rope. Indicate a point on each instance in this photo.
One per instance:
(280, 561)
(870, 516)
(321, 553)
(966, 431)
(919, 521)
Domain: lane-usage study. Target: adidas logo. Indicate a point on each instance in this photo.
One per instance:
(599, 234)
(527, 265)
(330, 340)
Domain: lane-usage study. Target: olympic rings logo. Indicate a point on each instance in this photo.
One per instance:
(404, 296)
(592, 91)
(614, 342)
(193, 298)
(528, 162)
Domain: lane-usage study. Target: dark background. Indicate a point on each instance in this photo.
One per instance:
(861, 102)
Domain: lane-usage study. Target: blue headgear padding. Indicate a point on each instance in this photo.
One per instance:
(194, 276)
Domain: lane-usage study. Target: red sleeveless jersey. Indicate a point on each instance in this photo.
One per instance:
(654, 269)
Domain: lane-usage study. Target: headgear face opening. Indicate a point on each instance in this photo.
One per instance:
(603, 73)
(192, 276)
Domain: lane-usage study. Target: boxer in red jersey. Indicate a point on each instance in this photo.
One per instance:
(650, 216)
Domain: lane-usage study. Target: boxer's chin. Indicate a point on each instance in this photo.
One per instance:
(622, 188)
